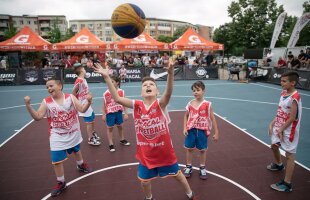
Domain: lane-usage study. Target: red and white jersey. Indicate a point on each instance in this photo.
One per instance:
(283, 114)
(154, 146)
(82, 93)
(122, 72)
(64, 126)
(199, 117)
(110, 105)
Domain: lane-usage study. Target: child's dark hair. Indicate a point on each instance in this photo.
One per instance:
(117, 80)
(57, 80)
(198, 84)
(147, 78)
(292, 76)
(77, 68)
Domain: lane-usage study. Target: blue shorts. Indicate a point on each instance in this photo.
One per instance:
(115, 118)
(89, 119)
(145, 174)
(196, 138)
(61, 155)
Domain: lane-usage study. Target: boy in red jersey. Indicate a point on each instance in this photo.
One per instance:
(154, 148)
(80, 91)
(112, 114)
(65, 137)
(199, 119)
(284, 130)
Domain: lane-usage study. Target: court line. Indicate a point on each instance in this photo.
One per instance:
(182, 165)
(17, 132)
(176, 96)
(105, 87)
(278, 88)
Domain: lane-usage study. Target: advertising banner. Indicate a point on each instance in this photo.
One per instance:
(91, 77)
(30, 77)
(160, 73)
(200, 72)
(135, 74)
(8, 77)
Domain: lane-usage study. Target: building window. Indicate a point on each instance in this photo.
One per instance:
(82, 26)
(28, 22)
(35, 22)
(108, 39)
(107, 24)
(21, 22)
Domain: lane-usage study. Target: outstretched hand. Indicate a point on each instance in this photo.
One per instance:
(171, 65)
(101, 69)
(27, 100)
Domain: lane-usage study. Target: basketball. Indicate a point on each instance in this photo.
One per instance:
(128, 20)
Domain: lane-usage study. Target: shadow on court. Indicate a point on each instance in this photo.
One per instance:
(237, 165)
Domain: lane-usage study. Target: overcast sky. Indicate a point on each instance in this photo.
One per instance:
(205, 12)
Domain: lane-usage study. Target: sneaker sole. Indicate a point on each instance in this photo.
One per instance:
(55, 195)
(275, 170)
(94, 144)
(273, 186)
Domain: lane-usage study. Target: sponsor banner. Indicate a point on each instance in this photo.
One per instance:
(135, 73)
(200, 72)
(91, 77)
(30, 77)
(300, 24)
(260, 73)
(160, 74)
(304, 77)
(277, 29)
(50, 73)
(8, 77)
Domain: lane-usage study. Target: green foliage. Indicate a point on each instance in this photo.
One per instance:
(69, 34)
(179, 32)
(54, 34)
(166, 39)
(252, 26)
(12, 31)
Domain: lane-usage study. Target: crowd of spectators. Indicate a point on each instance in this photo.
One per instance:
(302, 61)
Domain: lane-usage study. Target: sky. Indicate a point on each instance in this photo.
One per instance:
(205, 12)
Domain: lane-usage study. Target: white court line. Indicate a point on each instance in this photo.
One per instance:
(277, 88)
(105, 87)
(18, 131)
(176, 96)
(243, 130)
(131, 164)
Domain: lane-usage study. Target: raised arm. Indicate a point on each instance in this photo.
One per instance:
(36, 115)
(105, 74)
(82, 107)
(165, 98)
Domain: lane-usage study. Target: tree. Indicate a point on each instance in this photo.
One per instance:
(252, 25)
(305, 33)
(55, 34)
(179, 32)
(166, 39)
(69, 34)
(12, 31)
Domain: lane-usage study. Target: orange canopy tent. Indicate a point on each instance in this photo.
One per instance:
(82, 41)
(142, 42)
(191, 41)
(25, 40)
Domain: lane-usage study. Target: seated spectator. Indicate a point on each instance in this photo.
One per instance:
(232, 69)
(281, 63)
(130, 62)
(3, 63)
(146, 60)
(165, 60)
(302, 58)
(138, 62)
(295, 63)
(180, 60)
(152, 61)
(308, 58)
(84, 60)
(268, 58)
(123, 73)
(119, 62)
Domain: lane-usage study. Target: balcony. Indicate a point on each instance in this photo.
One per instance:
(3, 24)
(44, 25)
(163, 28)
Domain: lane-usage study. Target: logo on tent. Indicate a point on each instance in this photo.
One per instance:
(140, 38)
(82, 39)
(194, 39)
(22, 39)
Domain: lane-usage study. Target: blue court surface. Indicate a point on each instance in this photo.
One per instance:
(250, 106)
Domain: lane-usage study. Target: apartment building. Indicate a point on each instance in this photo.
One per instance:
(154, 27)
(40, 24)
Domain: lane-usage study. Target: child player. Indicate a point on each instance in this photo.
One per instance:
(284, 130)
(64, 128)
(154, 148)
(112, 114)
(81, 90)
(199, 119)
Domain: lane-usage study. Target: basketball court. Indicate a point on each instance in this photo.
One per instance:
(236, 164)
